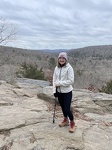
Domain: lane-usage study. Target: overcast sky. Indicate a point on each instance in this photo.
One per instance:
(59, 24)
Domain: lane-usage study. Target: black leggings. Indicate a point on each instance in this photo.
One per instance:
(65, 103)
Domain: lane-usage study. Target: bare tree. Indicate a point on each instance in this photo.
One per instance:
(8, 33)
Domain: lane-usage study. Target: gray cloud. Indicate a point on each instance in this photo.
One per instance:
(59, 24)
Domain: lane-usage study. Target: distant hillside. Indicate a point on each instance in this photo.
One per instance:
(92, 65)
(104, 51)
(99, 52)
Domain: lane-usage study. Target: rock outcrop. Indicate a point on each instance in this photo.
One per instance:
(26, 119)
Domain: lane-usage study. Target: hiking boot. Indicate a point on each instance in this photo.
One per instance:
(65, 122)
(72, 127)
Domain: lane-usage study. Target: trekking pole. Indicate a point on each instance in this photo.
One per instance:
(54, 110)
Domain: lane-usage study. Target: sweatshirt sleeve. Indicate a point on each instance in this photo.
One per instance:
(70, 79)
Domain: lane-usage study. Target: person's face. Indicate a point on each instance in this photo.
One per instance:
(62, 60)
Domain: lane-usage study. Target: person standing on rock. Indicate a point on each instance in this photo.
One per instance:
(63, 79)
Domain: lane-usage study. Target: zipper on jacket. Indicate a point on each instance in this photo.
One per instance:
(60, 79)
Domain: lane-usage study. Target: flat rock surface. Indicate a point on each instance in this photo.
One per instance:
(26, 119)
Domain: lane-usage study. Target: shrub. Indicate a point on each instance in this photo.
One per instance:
(31, 71)
(107, 88)
(79, 72)
(52, 62)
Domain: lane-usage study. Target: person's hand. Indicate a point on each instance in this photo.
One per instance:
(55, 94)
(57, 85)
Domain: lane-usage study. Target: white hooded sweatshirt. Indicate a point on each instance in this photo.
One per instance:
(64, 77)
